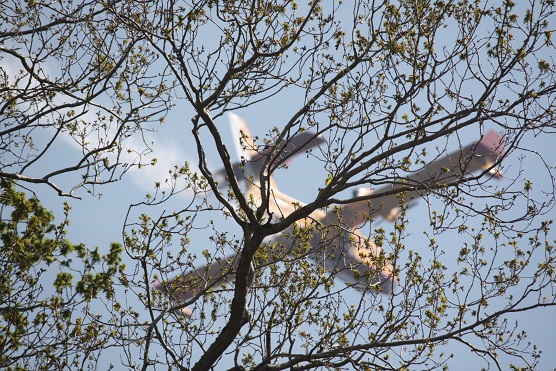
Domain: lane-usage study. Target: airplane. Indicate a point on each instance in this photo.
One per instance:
(345, 250)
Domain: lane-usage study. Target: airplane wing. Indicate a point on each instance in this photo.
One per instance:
(477, 156)
(348, 255)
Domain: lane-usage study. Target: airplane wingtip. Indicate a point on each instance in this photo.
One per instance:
(493, 141)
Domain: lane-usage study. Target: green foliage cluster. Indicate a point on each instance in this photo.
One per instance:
(47, 288)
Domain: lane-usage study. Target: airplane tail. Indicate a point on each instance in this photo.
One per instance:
(244, 143)
(250, 157)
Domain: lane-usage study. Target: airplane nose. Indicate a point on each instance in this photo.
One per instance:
(183, 295)
(387, 283)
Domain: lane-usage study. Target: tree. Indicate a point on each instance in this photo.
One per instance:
(40, 327)
(390, 86)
